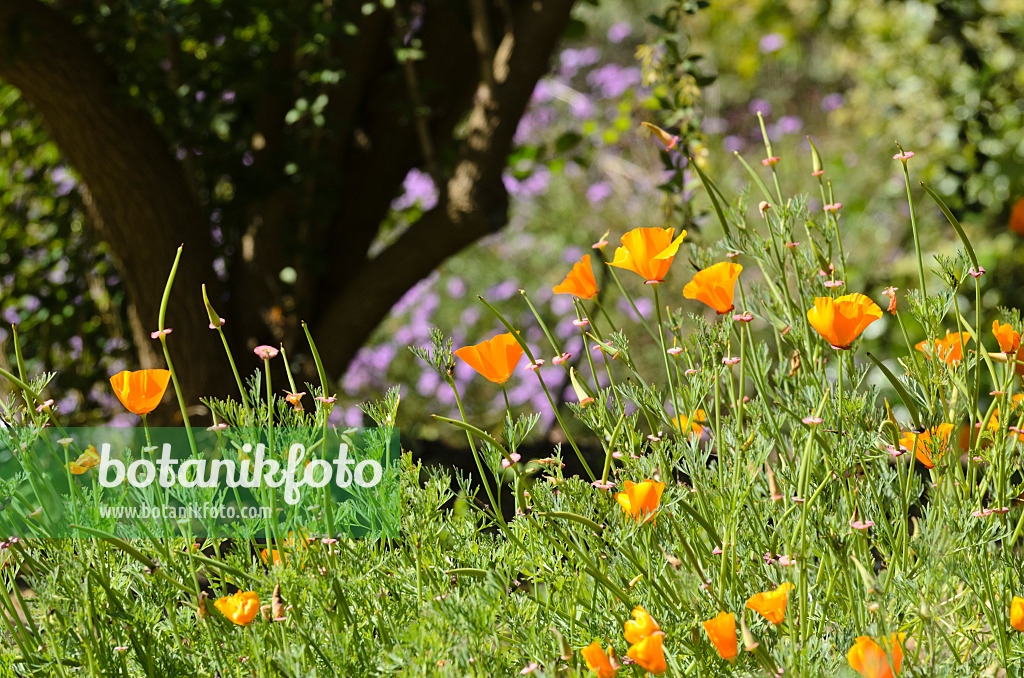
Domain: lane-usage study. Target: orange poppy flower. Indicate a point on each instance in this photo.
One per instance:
(771, 604)
(240, 608)
(715, 286)
(640, 499)
(695, 421)
(86, 461)
(841, 320)
(580, 281)
(1017, 218)
(142, 390)
(603, 664)
(648, 252)
(950, 348)
(495, 358)
(870, 660)
(935, 440)
(649, 654)
(640, 626)
(722, 632)
(1009, 340)
(1017, 613)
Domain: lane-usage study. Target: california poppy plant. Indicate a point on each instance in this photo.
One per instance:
(241, 608)
(580, 281)
(715, 286)
(722, 632)
(841, 320)
(649, 654)
(640, 500)
(140, 391)
(949, 349)
(771, 604)
(934, 440)
(1009, 340)
(495, 358)
(648, 252)
(870, 660)
(601, 663)
(1017, 613)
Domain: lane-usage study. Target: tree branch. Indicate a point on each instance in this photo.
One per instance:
(473, 202)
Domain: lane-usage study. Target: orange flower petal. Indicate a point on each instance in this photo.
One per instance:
(580, 281)
(841, 320)
(640, 499)
(1009, 340)
(722, 632)
(640, 626)
(1017, 613)
(715, 286)
(494, 359)
(140, 391)
(241, 608)
(598, 661)
(649, 654)
(771, 604)
(870, 660)
(648, 252)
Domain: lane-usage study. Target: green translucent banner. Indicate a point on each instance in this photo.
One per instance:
(217, 482)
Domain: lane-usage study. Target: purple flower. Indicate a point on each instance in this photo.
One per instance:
(581, 106)
(228, 97)
(733, 143)
(10, 316)
(772, 42)
(612, 79)
(789, 124)
(831, 102)
(64, 182)
(599, 192)
(456, 287)
(574, 59)
(619, 32)
(419, 188)
(761, 105)
(503, 290)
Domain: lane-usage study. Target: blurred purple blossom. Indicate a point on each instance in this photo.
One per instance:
(572, 254)
(123, 420)
(64, 182)
(643, 304)
(772, 42)
(353, 416)
(612, 79)
(573, 60)
(831, 102)
(733, 143)
(456, 287)
(533, 185)
(581, 106)
(619, 32)
(502, 290)
(30, 303)
(368, 367)
(561, 304)
(248, 159)
(200, 96)
(10, 315)
(789, 124)
(599, 192)
(418, 187)
(760, 105)
(77, 345)
(469, 316)
(228, 97)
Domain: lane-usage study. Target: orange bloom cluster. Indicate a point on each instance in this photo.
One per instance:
(841, 320)
(241, 608)
(140, 391)
(648, 252)
(949, 349)
(934, 440)
(495, 358)
(715, 286)
(580, 281)
(1008, 338)
(871, 660)
(640, 500)
(85, 461)
(645, 637)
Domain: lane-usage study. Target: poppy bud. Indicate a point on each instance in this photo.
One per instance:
(215, 320)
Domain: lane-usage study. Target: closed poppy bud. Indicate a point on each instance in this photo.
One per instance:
(580, 281)
(771, 604)
(934, 440)
(1017, 613)
(648, 252)
(640, 626)
(1009, 340)
(722, 632)
(649, 654)
(949, 349)
(841, 320)
(215, 320)
(241, 608)
(140, 391)
(599, 662)
(670, 140)
(715, 286)
(495, 358)
(871, 660)
(640, 499)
